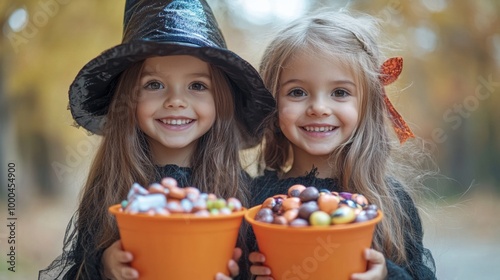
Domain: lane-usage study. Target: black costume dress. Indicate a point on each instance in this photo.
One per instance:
(67, 264)
(421, 263)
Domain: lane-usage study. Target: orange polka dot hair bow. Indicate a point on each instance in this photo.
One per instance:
(390, 71)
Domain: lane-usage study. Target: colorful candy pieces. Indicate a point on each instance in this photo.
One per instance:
(167, 197)
(304, 206)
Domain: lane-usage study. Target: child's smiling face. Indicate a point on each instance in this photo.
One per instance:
(176, 103)
(318, 101)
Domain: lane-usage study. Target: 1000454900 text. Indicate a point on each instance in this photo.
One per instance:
(11, 216)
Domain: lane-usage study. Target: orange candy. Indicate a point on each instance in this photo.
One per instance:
(328, 203)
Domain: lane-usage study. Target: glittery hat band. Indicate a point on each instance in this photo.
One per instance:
(390, 71)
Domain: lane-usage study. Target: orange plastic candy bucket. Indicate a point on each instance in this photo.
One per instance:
(312, 252)
(179, 246)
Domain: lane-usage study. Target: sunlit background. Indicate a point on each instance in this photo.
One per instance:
(448, 92)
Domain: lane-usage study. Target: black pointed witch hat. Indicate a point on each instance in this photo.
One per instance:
(159, 28)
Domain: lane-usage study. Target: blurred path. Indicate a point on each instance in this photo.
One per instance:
(464, 237)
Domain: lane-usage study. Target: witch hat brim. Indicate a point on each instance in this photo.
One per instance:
(147, 34)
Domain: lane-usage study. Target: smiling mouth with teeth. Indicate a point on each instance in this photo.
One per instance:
(176, 122)
(318, 129)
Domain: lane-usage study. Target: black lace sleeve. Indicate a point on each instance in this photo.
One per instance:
(63, 263)
(69, 263)
(420, 261)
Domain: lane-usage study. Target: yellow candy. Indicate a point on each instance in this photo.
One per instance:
(343, 215)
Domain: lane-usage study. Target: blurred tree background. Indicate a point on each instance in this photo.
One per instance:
(448, 92)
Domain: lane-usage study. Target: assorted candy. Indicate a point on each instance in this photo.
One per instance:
(167, 197)
(305, 206)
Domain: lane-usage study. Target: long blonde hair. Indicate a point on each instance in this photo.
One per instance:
(124, 158)
(352, 41)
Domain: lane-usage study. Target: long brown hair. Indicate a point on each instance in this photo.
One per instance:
(352, 41)
(124, 158)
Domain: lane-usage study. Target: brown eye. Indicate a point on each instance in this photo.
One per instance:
(340, 93)
(197, 86)
(154, 85)
(297, 92)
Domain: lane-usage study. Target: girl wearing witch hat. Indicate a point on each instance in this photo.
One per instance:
(170, 101)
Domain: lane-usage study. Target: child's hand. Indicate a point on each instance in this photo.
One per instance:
(232, 265)
(115, 262)
(376, 267)
(257, 268)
